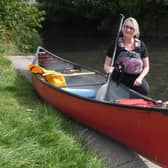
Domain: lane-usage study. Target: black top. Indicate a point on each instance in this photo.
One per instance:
(125, 78)
(140, 48)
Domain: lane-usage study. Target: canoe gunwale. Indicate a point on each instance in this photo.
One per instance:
(65, 60)
(148, 109)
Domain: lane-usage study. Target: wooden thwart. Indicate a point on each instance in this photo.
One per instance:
(73, 74)
(79, 74)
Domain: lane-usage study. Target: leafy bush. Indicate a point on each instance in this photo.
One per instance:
(20, 21)
(2, 48)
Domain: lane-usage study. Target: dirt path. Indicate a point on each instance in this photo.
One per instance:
(116, 155)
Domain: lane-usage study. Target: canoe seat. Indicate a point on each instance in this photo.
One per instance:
(87, 93)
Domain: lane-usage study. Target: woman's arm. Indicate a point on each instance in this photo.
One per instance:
(107, 65)
(145, 71)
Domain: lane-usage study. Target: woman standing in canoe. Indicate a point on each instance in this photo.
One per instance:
(131, 60)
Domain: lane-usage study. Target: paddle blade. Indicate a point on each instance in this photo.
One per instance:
(101, 93)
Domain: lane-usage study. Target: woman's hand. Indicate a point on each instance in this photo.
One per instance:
(107, 67)
(137, 82)
(145, 71)
(110, 69)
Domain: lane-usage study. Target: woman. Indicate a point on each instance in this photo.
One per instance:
(131, 60)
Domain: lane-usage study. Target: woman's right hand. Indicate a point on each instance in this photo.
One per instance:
(107, 63)
(110, 69)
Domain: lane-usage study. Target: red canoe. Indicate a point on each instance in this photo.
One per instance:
(137, 121)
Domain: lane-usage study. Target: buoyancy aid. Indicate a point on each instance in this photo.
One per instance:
(130, 61)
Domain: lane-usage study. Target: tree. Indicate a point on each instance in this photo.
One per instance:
(20, 20)
(103, 13)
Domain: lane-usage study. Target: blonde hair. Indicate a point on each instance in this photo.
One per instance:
(135, 23)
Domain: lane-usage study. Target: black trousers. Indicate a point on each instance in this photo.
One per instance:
(128, 80)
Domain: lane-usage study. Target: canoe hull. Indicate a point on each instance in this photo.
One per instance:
(144, 130)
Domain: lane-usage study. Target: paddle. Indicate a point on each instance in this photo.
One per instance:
(104, 89)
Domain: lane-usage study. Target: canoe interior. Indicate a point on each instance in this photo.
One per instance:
(52, 62)
(94, 81)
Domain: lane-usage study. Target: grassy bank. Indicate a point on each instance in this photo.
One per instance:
(32, 133)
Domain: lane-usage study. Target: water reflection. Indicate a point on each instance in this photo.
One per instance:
(90, 51)
(158, 76)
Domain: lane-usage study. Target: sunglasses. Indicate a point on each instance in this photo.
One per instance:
(129, 27)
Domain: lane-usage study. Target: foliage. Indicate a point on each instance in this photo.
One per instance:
(2, 48)
(102, 13)
(97, 11)
(19, 21)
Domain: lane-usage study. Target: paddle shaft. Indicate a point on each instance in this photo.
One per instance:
(157, 102)
(102, 92)
(115, 46)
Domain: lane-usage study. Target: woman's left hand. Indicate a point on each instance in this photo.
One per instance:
(137, 82)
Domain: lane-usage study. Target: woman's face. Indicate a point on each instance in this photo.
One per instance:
(129, 29)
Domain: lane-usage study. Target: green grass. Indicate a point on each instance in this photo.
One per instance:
(32, 133)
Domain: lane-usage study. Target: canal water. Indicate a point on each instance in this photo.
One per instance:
(90, 50)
